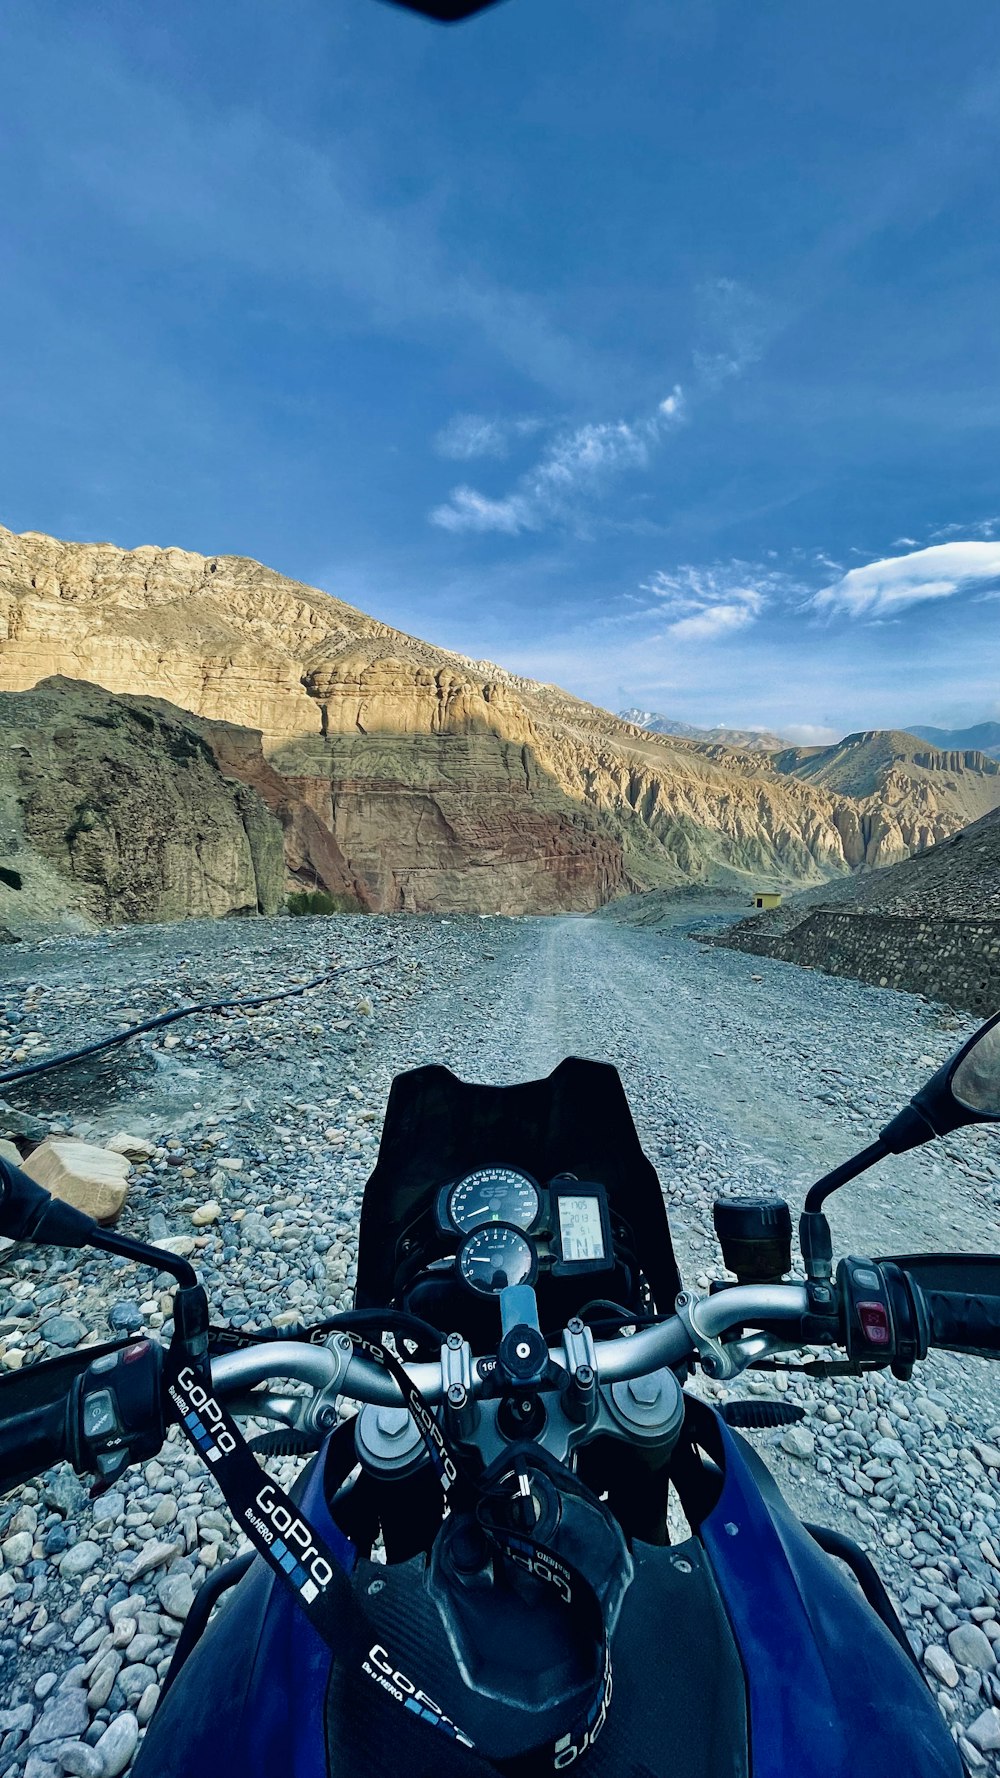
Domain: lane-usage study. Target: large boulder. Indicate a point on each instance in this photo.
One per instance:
(92, 1179)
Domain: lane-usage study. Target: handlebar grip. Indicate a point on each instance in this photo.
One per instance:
(962, 1322)
(35, 1415)
(956, 1298)
(99, 1408)
(32, 1442)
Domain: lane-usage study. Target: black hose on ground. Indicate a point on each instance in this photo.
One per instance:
(27, 1069)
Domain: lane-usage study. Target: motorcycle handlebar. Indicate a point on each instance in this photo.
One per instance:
(44, 1416)
(651, 1349)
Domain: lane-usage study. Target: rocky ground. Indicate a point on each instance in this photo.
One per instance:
(262, 1128)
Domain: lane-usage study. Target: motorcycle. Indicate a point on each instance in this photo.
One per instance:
(479, 1569)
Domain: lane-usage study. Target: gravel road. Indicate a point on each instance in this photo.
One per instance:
(263, 1127)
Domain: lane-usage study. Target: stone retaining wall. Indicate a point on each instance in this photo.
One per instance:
(954, 960)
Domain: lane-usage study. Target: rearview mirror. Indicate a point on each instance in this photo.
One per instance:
(965, 1091)
(449, 12)
(976, 1080)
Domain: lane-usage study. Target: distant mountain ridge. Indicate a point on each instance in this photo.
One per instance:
(751, 740)
(984, 737)
(876, 761)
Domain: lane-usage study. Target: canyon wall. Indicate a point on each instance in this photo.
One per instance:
(415, 778)
(114, 811)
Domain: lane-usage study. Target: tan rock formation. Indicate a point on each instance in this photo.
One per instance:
(92, 1179)
(909, 795)
(425, 780)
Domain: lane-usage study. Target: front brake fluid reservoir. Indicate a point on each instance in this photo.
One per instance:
(648, 1411)
(388, 1442)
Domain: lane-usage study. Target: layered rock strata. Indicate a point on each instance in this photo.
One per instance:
(439, 783)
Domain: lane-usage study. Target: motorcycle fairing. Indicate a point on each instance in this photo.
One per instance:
(438, 1127)
(262, 1694)
(761, 1659)
(831, 1694)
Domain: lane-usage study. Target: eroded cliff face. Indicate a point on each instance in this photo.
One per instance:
(113, 810)
(432, 781)
(904, 795)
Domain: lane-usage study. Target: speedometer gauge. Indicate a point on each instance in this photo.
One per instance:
(494, 1256)
(494, 1194)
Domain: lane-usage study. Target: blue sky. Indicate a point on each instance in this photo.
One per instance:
(648, 346)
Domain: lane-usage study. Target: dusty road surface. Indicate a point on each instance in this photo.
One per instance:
(740, 1072)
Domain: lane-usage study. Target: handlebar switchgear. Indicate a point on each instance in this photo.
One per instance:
(115, 1414)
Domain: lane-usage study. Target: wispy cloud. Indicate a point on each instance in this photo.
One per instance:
(886, 587)
(577, 463)
(737, 327)
(474, 435)
(987, 528)
(705, 604)
(809, 734)
(468, 510)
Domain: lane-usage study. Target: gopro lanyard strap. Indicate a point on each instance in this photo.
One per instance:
(317, 1568)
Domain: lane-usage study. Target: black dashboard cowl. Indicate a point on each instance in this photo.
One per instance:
(577, 1120)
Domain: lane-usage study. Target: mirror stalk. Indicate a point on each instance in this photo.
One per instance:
(817, 1194)
(29, 1213)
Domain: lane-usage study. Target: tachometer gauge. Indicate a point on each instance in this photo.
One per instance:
(494, 1194)
(494, 1256)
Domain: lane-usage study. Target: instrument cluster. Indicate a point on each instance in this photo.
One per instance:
(513, 1228)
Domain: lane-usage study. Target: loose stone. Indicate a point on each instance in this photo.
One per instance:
(970, 1648)
(118, 1743)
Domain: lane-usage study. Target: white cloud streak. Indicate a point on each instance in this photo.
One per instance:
(737, 327)
(576, 464)
(467, 436)
(887, 587)
(707, 604)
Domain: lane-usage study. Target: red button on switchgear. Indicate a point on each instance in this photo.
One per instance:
(874, 1323)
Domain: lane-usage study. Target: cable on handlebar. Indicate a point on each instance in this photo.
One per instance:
(398, 1322)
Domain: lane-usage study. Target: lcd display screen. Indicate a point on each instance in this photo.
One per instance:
(580, 1232)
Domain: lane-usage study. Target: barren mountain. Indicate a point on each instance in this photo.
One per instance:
(115, 810)
(932, 791)
(984, 737)
(445, 782)
(752, 740)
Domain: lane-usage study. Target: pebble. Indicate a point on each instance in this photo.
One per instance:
(82, 1761)
(63, 1720)
(80, 1559)
(103, 1679)
(984, 1733)
(134, 1680)
(939, 1662)
(118, 1743)
(63, 1331)
(147, 1705)
(176, 1595)
(798, 1441)
(17, 1549)
(970, 1648)
(154, 1555)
